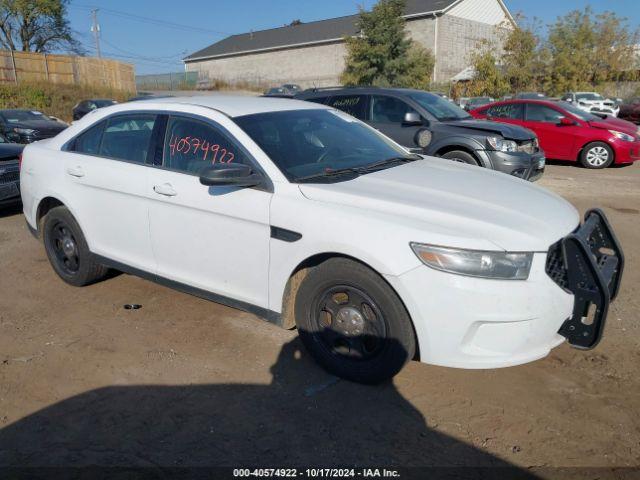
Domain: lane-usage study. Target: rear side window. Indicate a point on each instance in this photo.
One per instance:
(514, 111)
(388, 109)
(540, 113)
(354, 105)
(190, 145)
(127, 137)
(89, 141)
(322, 100)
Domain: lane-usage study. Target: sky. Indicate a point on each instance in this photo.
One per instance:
(155, 34)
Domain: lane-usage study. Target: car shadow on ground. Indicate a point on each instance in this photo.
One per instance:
(304, 417)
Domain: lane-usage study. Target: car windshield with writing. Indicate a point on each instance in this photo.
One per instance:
(17, 116)
(443, 110)
(321, 145)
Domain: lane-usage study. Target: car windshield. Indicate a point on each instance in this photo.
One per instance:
(16, 116)
(317, 145)
(588, 96)
(441, 109)
(576, 112)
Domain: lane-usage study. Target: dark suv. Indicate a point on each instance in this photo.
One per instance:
(428, 124)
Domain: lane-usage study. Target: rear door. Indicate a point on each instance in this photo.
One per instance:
(354, 105)
(386, 113)
(211, 238)
(512, 113)
(555, 139)
(106, 175)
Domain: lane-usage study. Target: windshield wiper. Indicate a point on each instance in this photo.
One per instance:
(387, 163)
(329, 173)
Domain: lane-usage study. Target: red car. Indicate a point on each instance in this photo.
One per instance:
(567, 133)
(630, 111)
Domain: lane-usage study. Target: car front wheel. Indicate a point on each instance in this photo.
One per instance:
(67, 249)
(461, 157)
(353, 323)
(596, 155)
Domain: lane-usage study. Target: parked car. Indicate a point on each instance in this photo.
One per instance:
(476, 102)
(592, 102)
(26, 126)
(567, 132)
(630, 111)
(9, 171)
(309, 217)
(278, 92)
(86, 106)
(529, 96)
(428, 124)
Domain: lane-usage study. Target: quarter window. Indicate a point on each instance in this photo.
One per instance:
(190, 145)
(127, 137)
(89, 141)
(354, 105)
(388, 109)
(513, 111)
(540, 113)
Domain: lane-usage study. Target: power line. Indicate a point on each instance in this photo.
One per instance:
(152, 21)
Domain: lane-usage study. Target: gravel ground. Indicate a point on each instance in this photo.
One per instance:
(186, 382)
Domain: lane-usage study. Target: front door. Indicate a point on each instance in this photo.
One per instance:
(556, 140)
(387, 115)
(212, 238)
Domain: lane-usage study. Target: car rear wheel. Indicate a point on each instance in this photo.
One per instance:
(67, 249)
(353, 323)
(596, 155)
(461, 156)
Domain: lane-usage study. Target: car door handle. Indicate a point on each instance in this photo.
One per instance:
(75, 172)
(165, 189)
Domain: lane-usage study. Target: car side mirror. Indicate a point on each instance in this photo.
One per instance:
(566, 122)
(412, 119)
(229, 175)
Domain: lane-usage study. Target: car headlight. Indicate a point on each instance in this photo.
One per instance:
(502, 145)
(622, 136)
(24, 131)
(476, 263)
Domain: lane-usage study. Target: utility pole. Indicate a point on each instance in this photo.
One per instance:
(95, 28)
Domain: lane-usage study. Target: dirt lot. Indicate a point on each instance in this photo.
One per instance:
(184, 382)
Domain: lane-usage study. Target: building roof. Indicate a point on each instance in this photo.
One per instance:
(322, 31)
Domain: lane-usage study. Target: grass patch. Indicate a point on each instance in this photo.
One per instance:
(54, 99)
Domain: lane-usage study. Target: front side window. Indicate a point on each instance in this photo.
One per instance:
(443, 110)
(127, 137)
(388, 109)
(513, 111)
(89, 141)
(306, 143)
(578, 112)
(541, 113)
(354, 105)
(190, 145)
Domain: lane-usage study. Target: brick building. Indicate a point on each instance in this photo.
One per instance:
(313, 54)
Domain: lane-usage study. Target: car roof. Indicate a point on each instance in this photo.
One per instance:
(231, 105)
(341, 90)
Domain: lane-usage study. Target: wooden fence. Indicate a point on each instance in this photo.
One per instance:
(17, 67)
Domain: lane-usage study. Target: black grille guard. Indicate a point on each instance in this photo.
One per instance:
(593, 262)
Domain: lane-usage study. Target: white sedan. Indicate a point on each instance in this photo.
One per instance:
(312, 219)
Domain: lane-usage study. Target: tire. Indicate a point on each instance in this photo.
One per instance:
(461, 156)
(596, 155)
(369, 336)
(67, 249)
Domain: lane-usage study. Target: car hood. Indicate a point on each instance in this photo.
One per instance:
(510, 132)
(613, 123)
(46, 125)
(447, 203)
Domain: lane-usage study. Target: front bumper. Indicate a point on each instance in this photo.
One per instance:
(589, 264)
(519, 164)
(468, 322)
(626, 152)
(9, 184)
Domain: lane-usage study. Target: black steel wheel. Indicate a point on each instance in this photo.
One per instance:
(67, 249)
(352, 322)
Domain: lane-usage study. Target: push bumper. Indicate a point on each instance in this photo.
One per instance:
(589, 264)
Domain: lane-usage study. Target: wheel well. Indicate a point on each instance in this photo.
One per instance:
(453, 148)
(297, 276)
(46, 204)
(613, 152)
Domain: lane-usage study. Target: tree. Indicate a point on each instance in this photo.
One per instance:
(488, 80)
(382, 54)
(35, 26)
(522, 58)
(587, 50)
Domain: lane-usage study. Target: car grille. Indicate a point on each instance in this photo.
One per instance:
(556, 268)
(9, 177)
(42, 134)
(528, 146)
